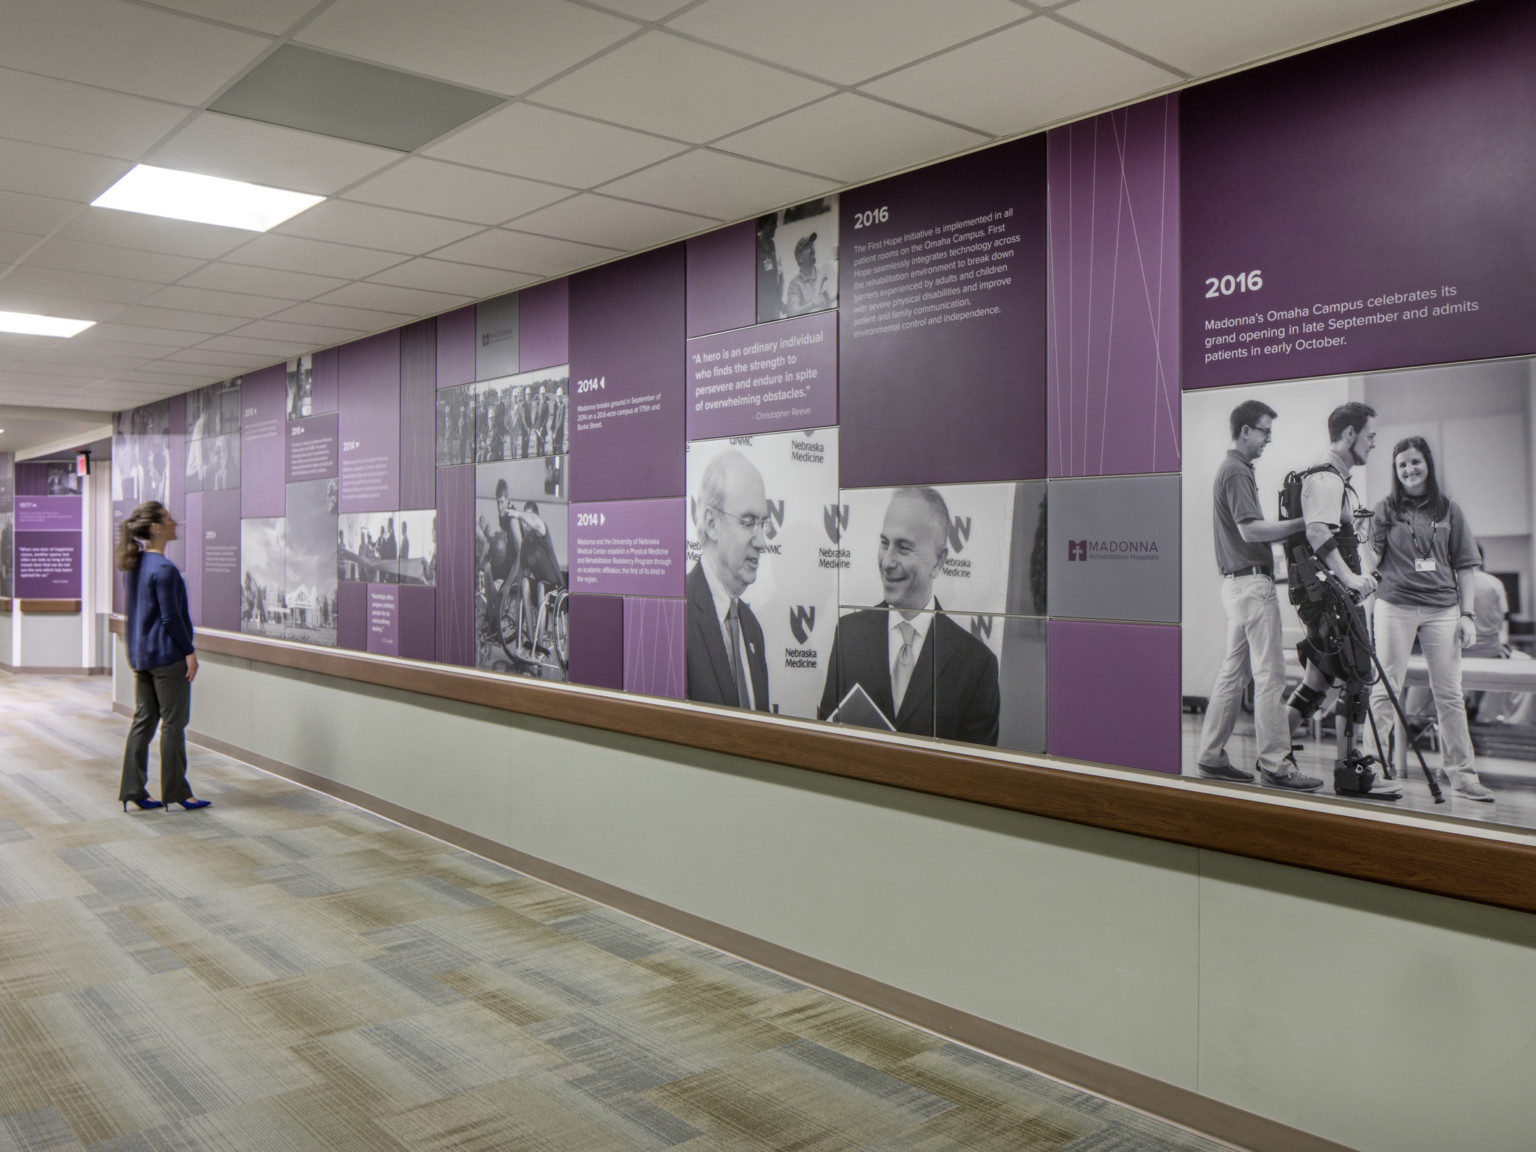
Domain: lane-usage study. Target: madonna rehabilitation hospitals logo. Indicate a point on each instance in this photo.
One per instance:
(1086, 550)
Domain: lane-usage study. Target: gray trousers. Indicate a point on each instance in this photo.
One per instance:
(164, 697)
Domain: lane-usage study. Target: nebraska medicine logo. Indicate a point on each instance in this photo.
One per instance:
(802, 622)
(834, 518)
(1086, 550)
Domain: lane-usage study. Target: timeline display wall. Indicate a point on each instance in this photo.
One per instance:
(948, 454)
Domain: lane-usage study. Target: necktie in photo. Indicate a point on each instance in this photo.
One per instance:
(733, 632)
(901, 671)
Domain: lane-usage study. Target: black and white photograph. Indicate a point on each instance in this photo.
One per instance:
(367, 547)
(213, 464)
(214, 410)
(763, 545)
(141, 454)
(456, 425)
(300, 380)
(416, 546)
(522, 568)
(309, 583)
(523, 416)
(263, 580)
(797, 260)
(62, 480)
(1359, 554)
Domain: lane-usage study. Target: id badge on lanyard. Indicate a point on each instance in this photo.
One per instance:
(1424, 564)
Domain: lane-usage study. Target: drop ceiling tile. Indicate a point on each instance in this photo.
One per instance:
(127, 47)
(335, 316)
(43, 110)
(104, 260)
(212, 358)
(527, 140)
(179, 320)
(490, 44)
(1022, 78)
(222, 277)
(117, 347)
(460, 279)
(440, 189)
(257, 153)
(78, 285)
(104, 361)
(16, 299)
(152, 233)
(386, 229)
(296, 254)
(644, 9)
(613, 223)
(35, 215)
(171, 382)
(167, 339)
(713, 184)
(850, 137)
(40, 171)
(664, 84)
(385, 298)
(270, 16)
(845, 42)
(520, 252)
(276, 349)
(217, 303)
(15, 245)
(305, 335)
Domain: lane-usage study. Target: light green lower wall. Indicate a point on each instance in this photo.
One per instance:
(1375, 1017)
(50, 640)
(5, 637)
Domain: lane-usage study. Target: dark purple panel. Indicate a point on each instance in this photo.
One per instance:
(324, 380)
(1382, 183)
(1113, 362)
(1113, 693)
(722, 283)
(313, 448)
(597, 641)
(628, 547)
(418, 622)
(192, 536)
(941, 366)
(370, 424)
(456, 565)
(178, 456)
(653, 647)
(352, 617)
(773, 378)
(32, 478)
(221, 560)
(383, 619)
(627, 381)
(47, 565)
(263, 420)
(7, 480)
(418, 414)
(545, 335)
(456, 347)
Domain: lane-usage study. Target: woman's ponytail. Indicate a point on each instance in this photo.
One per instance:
(137, 527)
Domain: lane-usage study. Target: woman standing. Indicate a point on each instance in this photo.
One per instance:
(161, 655)
(1425, 559)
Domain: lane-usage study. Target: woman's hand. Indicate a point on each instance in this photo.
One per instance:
(191, 667)
(1466, 632)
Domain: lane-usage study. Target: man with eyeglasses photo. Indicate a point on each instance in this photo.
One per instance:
(726, 659)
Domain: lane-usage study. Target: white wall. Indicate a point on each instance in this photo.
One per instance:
(1379, 1018)
(49, 640)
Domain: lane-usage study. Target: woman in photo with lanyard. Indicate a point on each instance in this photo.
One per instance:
(1425, 557)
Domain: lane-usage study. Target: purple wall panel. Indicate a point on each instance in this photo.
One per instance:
(1112, 361)
(383, 619)
(775, 377)
(192, 570)
(313, 449)
(31, 478)
(418, 622)
(597, 641)
(263, 458)
(1112, 693)
(325, 381)
(628, 547)
(456, 565)
(177, 481)
(722, 279)
(627, 334)
(1366, 181)
(221, 560)
(456, 347)
(370, 424)
(653, 647)
(352, 617)
(943, 381)
(418, 415)
(47, 565)
(545, 335)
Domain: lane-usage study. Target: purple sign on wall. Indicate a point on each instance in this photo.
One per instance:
(722, 279)
(263, 416)
(48, 565)
(370, 424)
(49, 513)
(772, 378)
(1365, 205)
(312, 448)
(1113, 362)
(628, 547)
(653, 647)
(942, 337)
(221, 560)
(545, 336)
(1128, 672)
(384, 619)
(456, 347)
(627, 382)
(597, 641)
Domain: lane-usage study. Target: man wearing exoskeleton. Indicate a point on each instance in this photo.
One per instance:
(1326, 584)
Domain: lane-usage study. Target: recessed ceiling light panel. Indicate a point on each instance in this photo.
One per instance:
(203, 199)
(27, 324)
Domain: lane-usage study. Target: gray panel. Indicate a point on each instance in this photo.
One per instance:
(496, 337)
(1114, 548)
(317, 92)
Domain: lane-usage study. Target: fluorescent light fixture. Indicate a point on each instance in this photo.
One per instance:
(203, 199)
(26, 324)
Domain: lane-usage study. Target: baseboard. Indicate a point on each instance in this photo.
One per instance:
(28, 670)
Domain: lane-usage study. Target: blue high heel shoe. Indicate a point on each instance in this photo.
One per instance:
(143, 805)
(190, 805)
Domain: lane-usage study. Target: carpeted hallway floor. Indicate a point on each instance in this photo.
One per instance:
(283, 971)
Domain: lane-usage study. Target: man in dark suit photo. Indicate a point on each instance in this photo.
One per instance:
(726, 660)
(926, 674)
